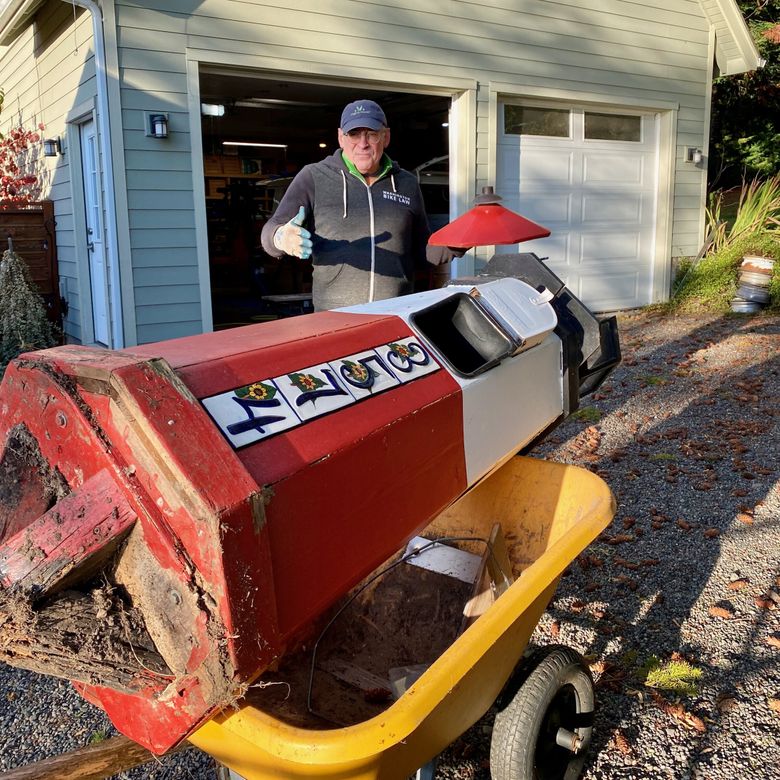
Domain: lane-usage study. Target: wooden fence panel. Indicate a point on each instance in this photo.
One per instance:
(31, 231)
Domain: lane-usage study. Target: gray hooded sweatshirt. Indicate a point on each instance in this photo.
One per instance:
(367, 240)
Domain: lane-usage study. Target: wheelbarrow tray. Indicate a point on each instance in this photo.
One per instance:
(550, 513)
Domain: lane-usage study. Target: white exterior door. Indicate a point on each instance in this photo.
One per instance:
(98, 277)
(590, 176)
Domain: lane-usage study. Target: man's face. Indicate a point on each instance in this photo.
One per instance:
(364, 148)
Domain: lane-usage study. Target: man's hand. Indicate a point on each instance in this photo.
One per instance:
(293, 239)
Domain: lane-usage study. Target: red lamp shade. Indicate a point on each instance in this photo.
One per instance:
(486, 224)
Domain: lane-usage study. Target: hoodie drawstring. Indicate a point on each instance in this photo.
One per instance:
(392, 181)
(344, 193)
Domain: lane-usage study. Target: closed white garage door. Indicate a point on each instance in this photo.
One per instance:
(591, 178)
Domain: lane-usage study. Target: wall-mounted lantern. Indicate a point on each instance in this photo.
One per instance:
(158, 125)
(694, 155)
(52, 147)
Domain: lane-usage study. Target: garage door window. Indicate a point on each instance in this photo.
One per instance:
(612, 127)
(526, 120)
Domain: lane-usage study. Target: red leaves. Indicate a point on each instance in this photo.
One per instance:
(15, 183)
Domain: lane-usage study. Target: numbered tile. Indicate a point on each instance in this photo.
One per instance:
(408, 359)
(251, 413)
(364, 374)
(314, 391)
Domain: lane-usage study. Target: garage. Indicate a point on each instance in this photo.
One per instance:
(258, 132)
(590, 176)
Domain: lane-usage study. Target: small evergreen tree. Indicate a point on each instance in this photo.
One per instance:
(23, 322)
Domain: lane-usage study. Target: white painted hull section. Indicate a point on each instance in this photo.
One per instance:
(505, 407)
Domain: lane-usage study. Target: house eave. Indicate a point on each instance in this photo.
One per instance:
(748, 58)
(15, 17)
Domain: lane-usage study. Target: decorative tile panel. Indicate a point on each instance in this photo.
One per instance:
(364, 374)
(408, 359)
(314, 391)
(261, 409)
(251, 413)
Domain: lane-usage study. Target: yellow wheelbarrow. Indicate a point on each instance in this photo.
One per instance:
(552, 512)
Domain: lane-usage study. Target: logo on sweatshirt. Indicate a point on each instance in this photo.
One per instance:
(396, 197)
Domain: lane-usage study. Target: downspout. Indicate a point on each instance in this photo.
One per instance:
(107, 170)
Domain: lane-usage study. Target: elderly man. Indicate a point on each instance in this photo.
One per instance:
(358, 215)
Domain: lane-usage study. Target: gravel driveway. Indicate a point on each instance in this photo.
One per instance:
(686, 434)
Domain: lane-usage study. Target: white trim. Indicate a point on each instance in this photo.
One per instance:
(666, 122)
(77, 113)
(106, 147)
(463, 173)
(117, 143)
(307, 71)
(520, 91)
(199, 197)
(83, 112)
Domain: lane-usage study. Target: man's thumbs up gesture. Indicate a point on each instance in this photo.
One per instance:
(293, 239)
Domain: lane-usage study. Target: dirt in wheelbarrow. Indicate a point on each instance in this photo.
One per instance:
(395, 627)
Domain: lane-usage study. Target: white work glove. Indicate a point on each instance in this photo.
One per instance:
(293, 239)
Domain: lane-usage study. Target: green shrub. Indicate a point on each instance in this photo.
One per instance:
(712, 283)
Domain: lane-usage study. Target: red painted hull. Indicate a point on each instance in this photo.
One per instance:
(255, 540)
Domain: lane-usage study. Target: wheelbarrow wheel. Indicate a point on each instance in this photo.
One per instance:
(545, 721)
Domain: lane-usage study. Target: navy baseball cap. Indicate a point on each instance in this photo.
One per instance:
(362, 113)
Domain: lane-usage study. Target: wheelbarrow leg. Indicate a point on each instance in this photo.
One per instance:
(426, 772)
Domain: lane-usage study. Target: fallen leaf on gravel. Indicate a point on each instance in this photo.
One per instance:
(702, 485)
(739, 492)
(684, 524)
(738, 584)
(773, 640)
(625, 564)
(721, 611)
(679, 712)
(622, 743)
(594, 560)
(726, 703)
(627, 581)
(774, 704)
(651, 561)
(628, 522)
(577, 605)
(619, 539)
(711, 533)
(590, 587)
(745, 518)
(764, 602)
(555, 629)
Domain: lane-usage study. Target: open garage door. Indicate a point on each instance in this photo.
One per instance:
(590, 176)
(257, 134)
